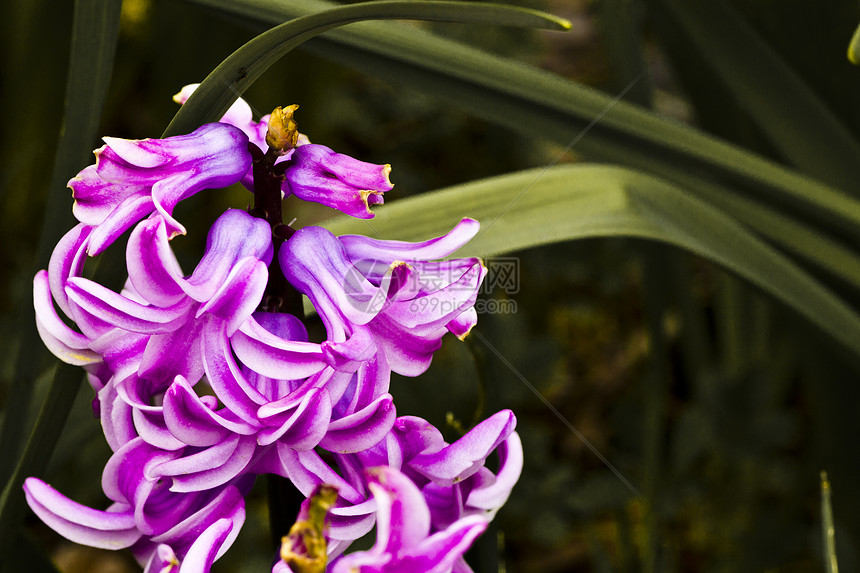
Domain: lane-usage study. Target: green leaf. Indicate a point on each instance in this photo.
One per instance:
(233, 76)
(52, 417)
(95, 30)
(537, 104)
(797, 123)
(562, 203)
(854, 48)
(828, 529)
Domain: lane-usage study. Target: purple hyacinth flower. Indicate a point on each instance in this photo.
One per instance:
(384, 297)
(349, 185)
(174, 312)
(316, 173)
(452, 477)
(404, 543)
(133, 178)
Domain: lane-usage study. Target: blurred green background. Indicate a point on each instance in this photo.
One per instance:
(719, 405)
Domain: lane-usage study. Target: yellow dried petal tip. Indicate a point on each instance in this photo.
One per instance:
(283, 133)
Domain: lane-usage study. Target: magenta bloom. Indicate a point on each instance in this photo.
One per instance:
(315, 172)
(204, 381)
(131, 179)
(385, 297)
(404, 543)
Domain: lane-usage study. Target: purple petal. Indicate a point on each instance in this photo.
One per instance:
(306, 469)
(439, 552)
(403, 519)
(190, 420)
(67, 261)
(465, 456)
(228, 504)
(492, 497)
(319, 174)
(306, 426)
(66, 344)
(315, 263)
(209, 468)
(239, 295)
(234, 236)
(226, 378)
(152, 266)
(366, 253)
(274, 357)
(115, 309)
(104, 529)
(362, 429)
(207, 548)
(131, 178)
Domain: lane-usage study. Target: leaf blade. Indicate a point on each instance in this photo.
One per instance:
(573, 202)
(239, 70)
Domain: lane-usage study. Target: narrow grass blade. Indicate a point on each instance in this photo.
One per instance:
(230, 79)
(828, 530)
(94, 37)
(538, 104)
(797, 123)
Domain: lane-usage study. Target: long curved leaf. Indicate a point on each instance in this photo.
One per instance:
(562, 203)
(776, 99)
(239, 70)
(537, 104)
(531, 101)
(94, 37)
